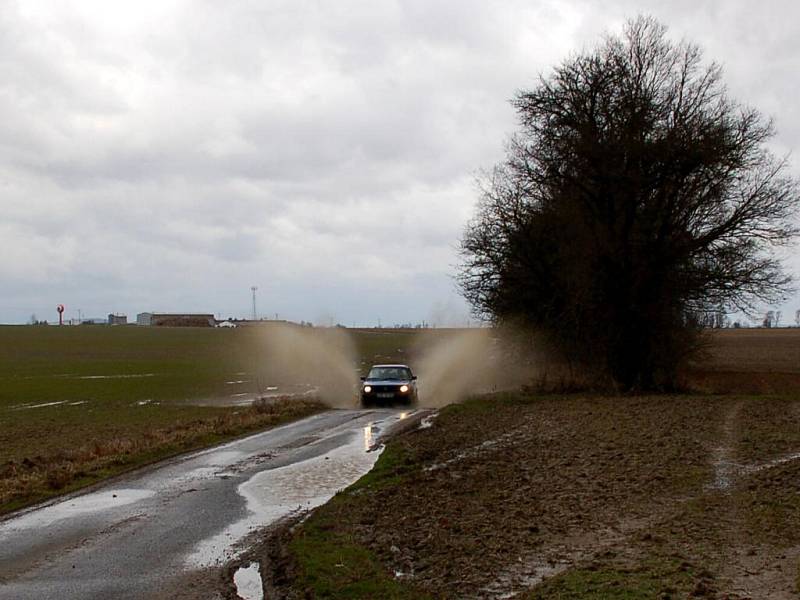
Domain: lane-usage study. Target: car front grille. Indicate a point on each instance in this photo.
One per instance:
(385, 388)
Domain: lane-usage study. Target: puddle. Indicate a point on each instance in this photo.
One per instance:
(27, 406)
(369, 436)
(287, 490)
(727, 472)
(248, 582)
(237, 382)
(523, 576)
(774, 463)
(473, 451)
(120, 376)
(90, 503)
(427, 421)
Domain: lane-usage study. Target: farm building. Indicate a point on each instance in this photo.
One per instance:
(117, 319)
(176, 319)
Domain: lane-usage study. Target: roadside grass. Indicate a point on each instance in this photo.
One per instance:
(57, 468)
(329, 562)
(79, 404)
(657, 578)
(333, 565)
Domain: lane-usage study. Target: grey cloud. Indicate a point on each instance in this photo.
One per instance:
(176, 153)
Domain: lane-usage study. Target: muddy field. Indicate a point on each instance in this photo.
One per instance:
(748, 361)
(570, 497)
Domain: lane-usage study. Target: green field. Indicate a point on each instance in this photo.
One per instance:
(119, 366)
(81, 403)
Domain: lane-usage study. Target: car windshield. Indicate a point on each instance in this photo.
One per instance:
(399, 373)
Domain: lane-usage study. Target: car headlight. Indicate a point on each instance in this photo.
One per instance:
(403, 389)
(367, 389)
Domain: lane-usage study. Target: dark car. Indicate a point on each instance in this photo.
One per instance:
(389, 384)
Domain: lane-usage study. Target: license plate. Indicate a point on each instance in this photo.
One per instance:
(385, 395)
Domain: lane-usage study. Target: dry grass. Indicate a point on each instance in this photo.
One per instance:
(36, 477)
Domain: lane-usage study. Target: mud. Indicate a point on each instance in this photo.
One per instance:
(700, 491)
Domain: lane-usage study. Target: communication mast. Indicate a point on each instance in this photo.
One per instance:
(253, 289)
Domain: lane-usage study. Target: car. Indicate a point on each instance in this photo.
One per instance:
(389, 384)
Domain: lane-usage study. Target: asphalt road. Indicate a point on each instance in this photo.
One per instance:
(137, 536)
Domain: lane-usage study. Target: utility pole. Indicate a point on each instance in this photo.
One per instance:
(253, 289)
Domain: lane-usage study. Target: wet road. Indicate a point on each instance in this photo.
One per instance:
(135, 536)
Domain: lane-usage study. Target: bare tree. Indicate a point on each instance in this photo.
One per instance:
(635, 196)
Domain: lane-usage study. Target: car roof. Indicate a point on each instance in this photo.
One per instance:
(392, 366)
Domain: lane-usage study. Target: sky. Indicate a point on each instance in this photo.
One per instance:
(168, 155)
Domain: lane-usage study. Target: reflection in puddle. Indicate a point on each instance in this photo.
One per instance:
(75, 507)
(368, 437)
(290, 489)
(428, 420)
(120, 376)
(248, 582)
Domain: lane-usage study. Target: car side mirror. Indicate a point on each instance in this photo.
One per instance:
(413, 378)
(362, 378)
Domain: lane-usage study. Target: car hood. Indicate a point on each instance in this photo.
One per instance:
(387, 382)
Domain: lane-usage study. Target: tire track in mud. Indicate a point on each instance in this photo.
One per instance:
(751, 570)
(725, 469)
(750, 573)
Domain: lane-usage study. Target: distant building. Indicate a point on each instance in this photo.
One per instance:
(117, 319)
(92, 321)
(176, 319)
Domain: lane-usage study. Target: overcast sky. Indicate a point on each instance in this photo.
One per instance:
(167, 155)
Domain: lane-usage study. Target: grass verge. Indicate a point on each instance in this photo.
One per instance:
(35, 478)
(329, 562)
(655, 579)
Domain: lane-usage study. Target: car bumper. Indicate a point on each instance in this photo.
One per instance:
(387, 398)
